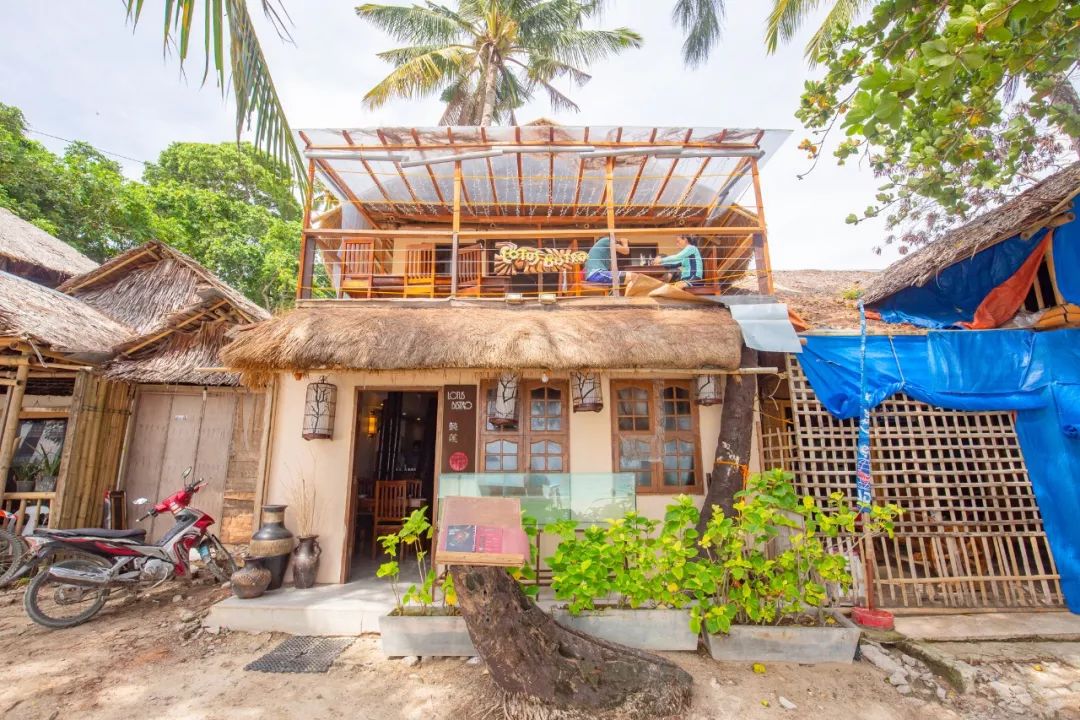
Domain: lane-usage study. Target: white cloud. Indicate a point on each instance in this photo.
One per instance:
(78, 71)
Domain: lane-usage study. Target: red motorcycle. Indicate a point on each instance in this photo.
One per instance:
(91, 561)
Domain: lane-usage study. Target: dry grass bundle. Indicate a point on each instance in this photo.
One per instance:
(302, 500)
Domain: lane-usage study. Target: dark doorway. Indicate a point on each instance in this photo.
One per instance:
(395, 440)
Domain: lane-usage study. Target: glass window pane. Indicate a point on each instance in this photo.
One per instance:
(641, 408)
(491, 462)
(641, 424)
(536, 462)
(643, 479)
(510, 463)
(536, 408)
(554, 424)
(555, 463)
(626, 423)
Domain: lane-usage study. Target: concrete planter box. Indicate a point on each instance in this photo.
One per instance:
(645, 629)
(767, 643)
(420, 635)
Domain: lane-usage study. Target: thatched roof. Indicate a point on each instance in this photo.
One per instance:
(145, 286)
(51, 319)
(818, 296)
(28, 248)
(1022, 212)
(487, 336)
(177, 359)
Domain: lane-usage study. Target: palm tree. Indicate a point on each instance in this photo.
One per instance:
(253, 89)
(487, 57)
(787, 17)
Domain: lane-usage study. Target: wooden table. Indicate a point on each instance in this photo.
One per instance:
(656, 271)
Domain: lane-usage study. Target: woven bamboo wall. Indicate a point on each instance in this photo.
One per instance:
(971, 534)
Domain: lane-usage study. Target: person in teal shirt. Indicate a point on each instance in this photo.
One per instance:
(597, 267)
(687, 259)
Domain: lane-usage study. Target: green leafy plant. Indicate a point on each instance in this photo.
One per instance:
(526, 574)
(26, 471)
(633, 562)
(418, 599)
(852, 293)
(50, 464)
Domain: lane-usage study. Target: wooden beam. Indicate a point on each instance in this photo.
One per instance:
(539, 232)
(308, 198)
(343, 186)
(10, 430)
(606, 144)
(431, 173)
(401, 172)
(370, 171)
(609, 194)
(762, 263)
(456, 231)
(641, 169)
(670, 172)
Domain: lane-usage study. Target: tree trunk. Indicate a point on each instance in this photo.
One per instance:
(548, 671)
(733, 444)
(487, 116)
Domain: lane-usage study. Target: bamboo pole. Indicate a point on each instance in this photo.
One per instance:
(609, 198)
(75, 419)
(11, 422)
(537, 232)
(761, 248)
(308, 198)
(456, 230)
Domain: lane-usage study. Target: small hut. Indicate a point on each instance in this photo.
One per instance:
(145, 331)
(31, 253)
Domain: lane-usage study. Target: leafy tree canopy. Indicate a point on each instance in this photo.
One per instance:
(225, 205)
(954, 103)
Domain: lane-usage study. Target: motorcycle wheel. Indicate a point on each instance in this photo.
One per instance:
(47, 598)
(12, 553)
(217, 560)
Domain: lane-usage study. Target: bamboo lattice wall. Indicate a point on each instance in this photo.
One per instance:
(971, 534)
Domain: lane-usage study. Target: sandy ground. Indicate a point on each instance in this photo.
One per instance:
(133, 661)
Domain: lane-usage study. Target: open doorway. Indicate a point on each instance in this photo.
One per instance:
(394, 441)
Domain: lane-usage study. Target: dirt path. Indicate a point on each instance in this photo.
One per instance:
(133, 661)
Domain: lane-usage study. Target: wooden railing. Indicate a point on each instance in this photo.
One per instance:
(39, 505)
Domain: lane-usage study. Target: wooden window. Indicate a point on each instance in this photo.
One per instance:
(540, 441)
(656, 435)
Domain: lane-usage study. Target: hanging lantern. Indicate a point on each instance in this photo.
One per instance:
(319, 409)
(588, 394)
(504, 412)
(709, 389)
(372, 424)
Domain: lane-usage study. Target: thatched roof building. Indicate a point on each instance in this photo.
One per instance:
(481, 335)
(1022, 212)
(50, 319)
(29, 252)
(178, 312)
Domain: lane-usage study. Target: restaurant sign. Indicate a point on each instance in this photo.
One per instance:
(459, 429)
(514, 260)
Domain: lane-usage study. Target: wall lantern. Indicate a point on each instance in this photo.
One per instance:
(587, 393)
(504, 412)
(709, 389)
(372, 424)
(319, 408)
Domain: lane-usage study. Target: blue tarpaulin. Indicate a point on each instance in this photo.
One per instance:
(1035, 374)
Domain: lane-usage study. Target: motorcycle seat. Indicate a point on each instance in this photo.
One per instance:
(137, 534)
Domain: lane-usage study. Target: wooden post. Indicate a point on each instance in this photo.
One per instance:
(11, 421)
(761, 240)
(609, 194)
(305, 272)
(457, 229)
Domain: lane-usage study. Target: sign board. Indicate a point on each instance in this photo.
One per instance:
(481, 531)
(459, 428)
(514, 260)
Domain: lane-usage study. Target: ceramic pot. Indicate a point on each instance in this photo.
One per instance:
(251, 580)
(45, 483)
(305, 561)
(24, 486)
(273, 543)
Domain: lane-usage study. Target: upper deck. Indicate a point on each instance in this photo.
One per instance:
(487, 211)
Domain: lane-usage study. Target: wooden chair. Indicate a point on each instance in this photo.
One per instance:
(414, 488)
(470, 269)
(391, 507)
(420, 270)
(357, 267)
(579, 286)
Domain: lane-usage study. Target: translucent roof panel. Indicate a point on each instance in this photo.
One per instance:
(686, 175)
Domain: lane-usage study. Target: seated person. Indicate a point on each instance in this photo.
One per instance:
(687, 260)
(597, 267)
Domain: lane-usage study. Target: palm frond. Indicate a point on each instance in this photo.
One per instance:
(418, 77)
(581, 47)
(253, 88)
(701, 23)
(786, 18)
(843, 12)
(414, 24)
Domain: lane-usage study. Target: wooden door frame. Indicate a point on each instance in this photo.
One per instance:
(348, 545)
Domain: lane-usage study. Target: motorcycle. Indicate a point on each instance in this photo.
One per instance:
(91, 562)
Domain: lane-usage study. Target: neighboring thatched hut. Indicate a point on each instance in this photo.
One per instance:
(31, 253)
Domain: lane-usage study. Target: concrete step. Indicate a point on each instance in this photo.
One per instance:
(324, 610)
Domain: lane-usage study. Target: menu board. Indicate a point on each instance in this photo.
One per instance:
(459, 428)
(481, 531)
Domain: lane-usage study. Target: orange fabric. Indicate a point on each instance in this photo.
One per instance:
(1002, 302)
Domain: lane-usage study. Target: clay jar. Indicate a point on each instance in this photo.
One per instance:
(251, 580)
(273, 543)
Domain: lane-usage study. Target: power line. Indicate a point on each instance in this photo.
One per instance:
(100, 150)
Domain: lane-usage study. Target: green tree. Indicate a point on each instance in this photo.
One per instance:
(955, 105)
(488, 57)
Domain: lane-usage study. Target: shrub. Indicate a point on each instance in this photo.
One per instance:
(414, 530)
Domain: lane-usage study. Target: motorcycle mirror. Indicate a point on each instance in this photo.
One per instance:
(186, 473)
(139, 501)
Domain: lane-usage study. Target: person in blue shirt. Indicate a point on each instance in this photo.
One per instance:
(597, 267)
(687, 260)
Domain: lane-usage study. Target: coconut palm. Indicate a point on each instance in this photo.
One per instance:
(787, 17)
(257, 101)
(486, 58)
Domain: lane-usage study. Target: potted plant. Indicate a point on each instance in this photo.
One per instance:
(625, 582)
(49, 469)
(306, 554)
(419, 624)
(760, 589)
(25, 474)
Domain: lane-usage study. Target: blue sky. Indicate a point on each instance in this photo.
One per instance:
(77, 71)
